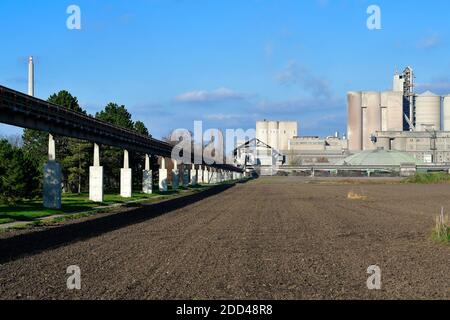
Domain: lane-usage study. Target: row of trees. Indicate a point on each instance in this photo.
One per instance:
(21, 169)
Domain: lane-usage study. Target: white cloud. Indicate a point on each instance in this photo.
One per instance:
(440, 85)
(222, 116)
(430, 42)
(301, 105)
(218, 95)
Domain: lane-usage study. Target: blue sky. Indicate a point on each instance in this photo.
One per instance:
(226, 62)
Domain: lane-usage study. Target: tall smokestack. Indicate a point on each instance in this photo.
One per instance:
(30, 77)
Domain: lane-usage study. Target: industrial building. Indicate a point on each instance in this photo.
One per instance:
(278, 143)
(370, 112)
(276, 133)
(401, 120)
(283, 137)
(315, 150)
(390, 132)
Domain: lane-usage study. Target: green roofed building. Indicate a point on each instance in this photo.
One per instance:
(380, 158)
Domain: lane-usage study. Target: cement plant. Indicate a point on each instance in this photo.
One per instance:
(392, 133)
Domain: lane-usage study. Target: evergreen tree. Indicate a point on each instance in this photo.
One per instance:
(18, 175)
(117, 115)
(111, 157)
(140, 128)
(77, 163)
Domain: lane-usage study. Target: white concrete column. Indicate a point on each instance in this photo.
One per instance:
(206, 175)
(210, 175)
(126, 159)
(147, 177)
(200, 174)
(96, 177)
(52, 178)
(96, 155)
(163, 184)
(194, 176)
(214, 175)
(175, 176)
(51, 148)
(126, 183)
(217, 178)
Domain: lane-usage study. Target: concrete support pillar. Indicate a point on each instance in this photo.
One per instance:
(210, 175)
(52, 178)
(218, 176)
(163, 183)
(96, 177)
(214, 176)
(96, 155)
(194, 176)
(200, 175)
(126, 177)
(175, 176)
(186, 176)
(147, 177)
(51, 148)
(206, 176)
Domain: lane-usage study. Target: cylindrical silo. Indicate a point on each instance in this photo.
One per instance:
(446, 113)
(354, 125)
(371, 103)
(428, 112)
(392, 103)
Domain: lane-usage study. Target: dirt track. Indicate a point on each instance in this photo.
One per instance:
(277, 239)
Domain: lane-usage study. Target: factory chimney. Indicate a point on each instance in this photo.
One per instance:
(30, 77)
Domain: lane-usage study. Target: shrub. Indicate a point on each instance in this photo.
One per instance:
(442, 229)
(429, 178)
